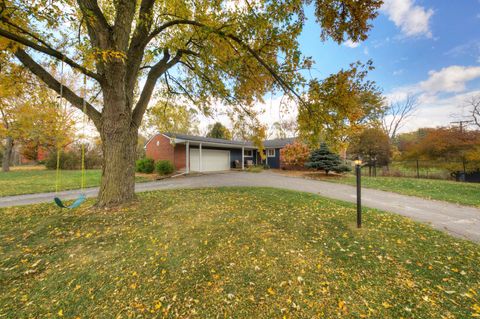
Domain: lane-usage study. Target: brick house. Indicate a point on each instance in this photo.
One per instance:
(203, 154)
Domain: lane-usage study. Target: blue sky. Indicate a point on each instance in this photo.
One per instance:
(424, 47)
(452, 37)
(428, 48)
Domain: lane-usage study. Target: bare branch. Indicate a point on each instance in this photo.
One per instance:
(55, 85)
(474, 104)
(398, 113)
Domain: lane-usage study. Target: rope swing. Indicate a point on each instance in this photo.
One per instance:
(82, 197)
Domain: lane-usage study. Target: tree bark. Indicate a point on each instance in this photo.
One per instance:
(7, 156)
(118, 169)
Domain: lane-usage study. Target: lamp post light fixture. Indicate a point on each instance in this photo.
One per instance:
(358, 172)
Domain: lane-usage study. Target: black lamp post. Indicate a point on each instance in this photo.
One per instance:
(358, 172)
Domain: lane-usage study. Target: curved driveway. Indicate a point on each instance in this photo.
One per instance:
(460, 221)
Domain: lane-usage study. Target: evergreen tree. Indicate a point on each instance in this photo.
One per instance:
(324, 159)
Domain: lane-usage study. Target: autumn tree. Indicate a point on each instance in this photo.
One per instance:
(451, 147)
(208, 51)
(339, 107)
(372, 143)
(166, 116)
(294, 155)
(285, 128)
(30, 115)
(13, 86)
(218, 130)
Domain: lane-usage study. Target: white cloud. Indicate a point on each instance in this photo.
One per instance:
(450, 79)
(439, 112)
(351, 44)
(412, 19)
(441, 96)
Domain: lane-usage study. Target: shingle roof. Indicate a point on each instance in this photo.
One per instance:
(275, 143)
(206, 139)
(279, 142)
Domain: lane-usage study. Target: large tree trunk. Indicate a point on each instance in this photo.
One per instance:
(119, 144)
(7, 156)
(118, 169)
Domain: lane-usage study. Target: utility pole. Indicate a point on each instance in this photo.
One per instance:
(460, 124)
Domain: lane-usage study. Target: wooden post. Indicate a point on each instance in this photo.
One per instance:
(418, 170)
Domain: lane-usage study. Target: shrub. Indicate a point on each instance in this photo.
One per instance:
(255, 169)
(67, 160)
(72, 159)
(164, 167)
(294, 155)
(145, 165)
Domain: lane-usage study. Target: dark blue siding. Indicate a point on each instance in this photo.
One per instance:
(274, 162)
(235, 154)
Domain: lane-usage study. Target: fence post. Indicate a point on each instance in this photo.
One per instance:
(418, 170)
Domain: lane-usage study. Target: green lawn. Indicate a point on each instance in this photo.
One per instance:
(39, 181)
(231, 253)
(450, 191)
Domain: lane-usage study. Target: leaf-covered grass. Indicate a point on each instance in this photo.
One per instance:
(450, 191)
(39, 181)
(231, 253)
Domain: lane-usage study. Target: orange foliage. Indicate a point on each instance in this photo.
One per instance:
(294, 155)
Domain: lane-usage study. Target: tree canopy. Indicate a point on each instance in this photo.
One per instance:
(372, 143)
(200, 51)
(165, 116)
(217, 130)
(30, 114)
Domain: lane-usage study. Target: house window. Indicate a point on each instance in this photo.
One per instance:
(158, 143)
(271, 152)
(248, 153)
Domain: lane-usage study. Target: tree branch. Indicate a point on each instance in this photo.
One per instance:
(157, 71)
(51, 52)
(285, 86)
(125, 11)
(136, 50)
(97, 24)
(55, 85)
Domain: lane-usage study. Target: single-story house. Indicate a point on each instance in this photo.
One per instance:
(204, 154)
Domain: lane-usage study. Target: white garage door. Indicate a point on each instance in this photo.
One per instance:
(213, 160)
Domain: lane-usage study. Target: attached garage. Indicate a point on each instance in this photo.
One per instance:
(211, 160)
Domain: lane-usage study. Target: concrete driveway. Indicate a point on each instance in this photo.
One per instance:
(460, 221)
